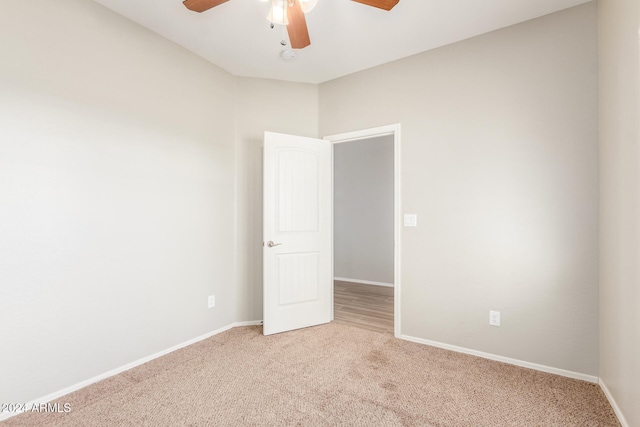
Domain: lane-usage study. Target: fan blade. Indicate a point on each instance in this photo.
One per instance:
(297, 28)
(380, 4)
(202, 5)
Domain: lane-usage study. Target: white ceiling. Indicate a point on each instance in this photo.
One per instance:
(345, 36)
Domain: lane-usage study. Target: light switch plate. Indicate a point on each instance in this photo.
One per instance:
(410, 220)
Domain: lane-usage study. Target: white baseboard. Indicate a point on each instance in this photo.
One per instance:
(537, 367)
(58, 394)
(364, 282)
(614, 404)
(250, 323)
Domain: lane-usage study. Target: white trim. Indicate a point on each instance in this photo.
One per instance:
(522, 363)
(333, 232)
(82, 384)
(395, 130)
(249, 323)
(364, 282)
(397, 214)
(623, 421)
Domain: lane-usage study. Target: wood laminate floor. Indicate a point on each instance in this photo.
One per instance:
(364, 306)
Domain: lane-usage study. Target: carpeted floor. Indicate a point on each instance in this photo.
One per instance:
(330, 375)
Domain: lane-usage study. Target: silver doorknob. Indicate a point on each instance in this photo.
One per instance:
(271, 244)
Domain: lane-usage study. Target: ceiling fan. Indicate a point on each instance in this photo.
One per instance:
(295, 20)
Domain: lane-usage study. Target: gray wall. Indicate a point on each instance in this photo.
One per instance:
(619, 22)
(363, 210)
(116, 195)
(277, 107)
(128, 193)
(500, 162)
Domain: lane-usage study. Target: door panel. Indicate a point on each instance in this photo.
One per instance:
(297, 277)
(297, 190)
(298, 285)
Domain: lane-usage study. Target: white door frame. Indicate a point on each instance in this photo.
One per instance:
(394, 130)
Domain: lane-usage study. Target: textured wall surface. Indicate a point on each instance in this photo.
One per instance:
(619, 23)
(262, 105)
(363, 210)
(500, 162)
(116, 195)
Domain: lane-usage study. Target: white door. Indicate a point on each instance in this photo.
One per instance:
(298, 260)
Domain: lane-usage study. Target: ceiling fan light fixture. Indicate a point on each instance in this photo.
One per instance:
(278, 12)
(308, 5)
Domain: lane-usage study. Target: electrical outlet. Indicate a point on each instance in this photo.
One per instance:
(212, 301)
(494, 318)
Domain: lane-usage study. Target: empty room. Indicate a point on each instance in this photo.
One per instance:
(172, 239)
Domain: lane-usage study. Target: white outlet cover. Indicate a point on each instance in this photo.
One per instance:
(494, 318)
(211, 301)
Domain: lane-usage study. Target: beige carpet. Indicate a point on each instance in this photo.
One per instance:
(329, 375)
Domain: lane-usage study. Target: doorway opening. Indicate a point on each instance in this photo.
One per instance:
(366, 242)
